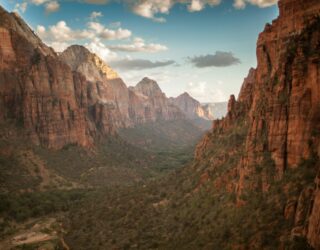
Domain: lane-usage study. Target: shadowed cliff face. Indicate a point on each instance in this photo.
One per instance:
(279, 107)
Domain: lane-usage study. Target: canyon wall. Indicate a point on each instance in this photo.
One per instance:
(37, 90)
(279, 110)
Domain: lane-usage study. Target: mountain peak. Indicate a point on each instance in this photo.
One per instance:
(186, 95)
(191, 107)
(77, 48)
(80, 59)
(148, 87)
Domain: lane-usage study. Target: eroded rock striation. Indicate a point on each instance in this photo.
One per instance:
(37, 90)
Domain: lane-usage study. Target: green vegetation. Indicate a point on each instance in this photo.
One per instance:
(17, 208)
(20, 207)
(163, 135)
(182, 212)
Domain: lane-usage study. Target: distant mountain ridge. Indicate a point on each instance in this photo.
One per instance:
(70, 97)
(191, 107)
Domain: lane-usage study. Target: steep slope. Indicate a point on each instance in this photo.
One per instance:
(39, 91)
(279, 106)
(191, 107)
(108, 96)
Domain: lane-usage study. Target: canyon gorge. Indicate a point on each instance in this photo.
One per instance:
(129, 168)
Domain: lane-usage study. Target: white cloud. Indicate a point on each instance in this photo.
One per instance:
(49, 5)
(151, 8)
(196, 5)
(203, 92)
(52, 6)
(109, 34)
(99, 48)
(148, 8)
(139, 45)
(21, 7)
(60, 34)
(95, 14)
(97, 27)
(241, 4)
(118, 34)
(39, 2)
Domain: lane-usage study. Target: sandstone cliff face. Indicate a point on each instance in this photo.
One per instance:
(279, 105)
(191, 107)
(108, 96)
(37, 90)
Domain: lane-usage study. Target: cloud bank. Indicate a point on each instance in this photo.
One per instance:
(219, 59)
(139, 64)
(151, 9)
(61, 35)
(139, 45)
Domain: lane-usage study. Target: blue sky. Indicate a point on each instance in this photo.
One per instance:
(204, 47)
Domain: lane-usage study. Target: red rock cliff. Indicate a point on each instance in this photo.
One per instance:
(279, 104)
(38, 90)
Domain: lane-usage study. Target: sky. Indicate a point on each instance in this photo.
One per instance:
(203, 47)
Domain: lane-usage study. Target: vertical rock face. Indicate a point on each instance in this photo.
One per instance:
(287, 77)
(191, 107)
(279, 104)
(108, 96)
(38, 90)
